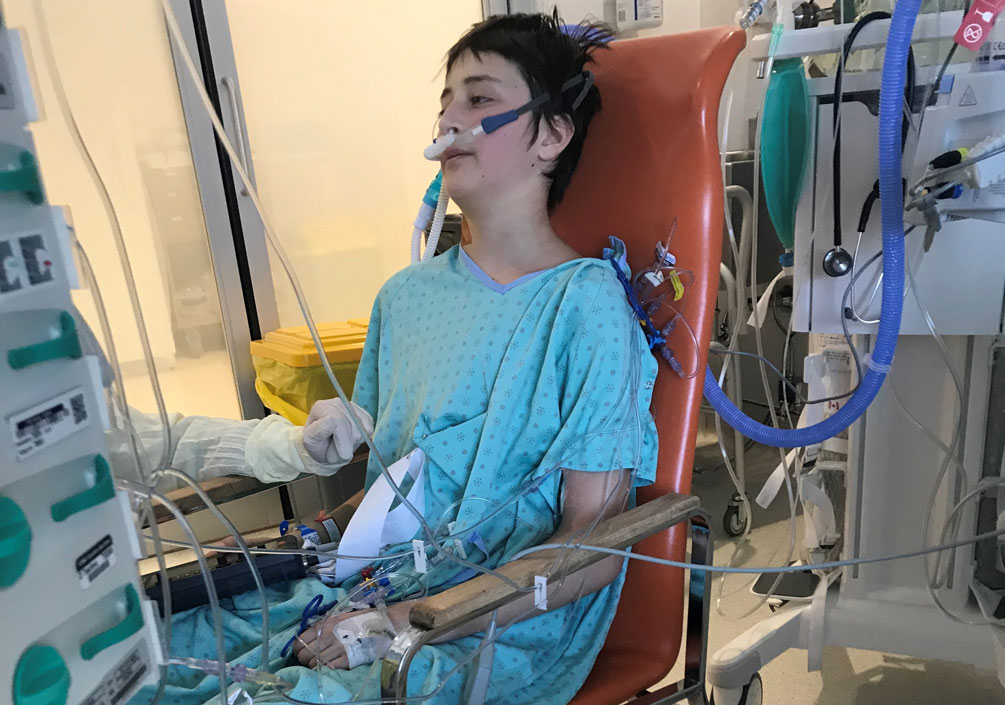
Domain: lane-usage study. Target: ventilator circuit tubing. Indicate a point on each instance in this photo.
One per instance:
(891, 205)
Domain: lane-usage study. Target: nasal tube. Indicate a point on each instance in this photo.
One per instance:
(442, 143)
(439, 146)
(432, 211)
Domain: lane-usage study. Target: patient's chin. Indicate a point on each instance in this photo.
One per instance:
(463, 188)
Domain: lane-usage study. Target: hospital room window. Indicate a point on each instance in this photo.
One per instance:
(339, 100)
(116, 68)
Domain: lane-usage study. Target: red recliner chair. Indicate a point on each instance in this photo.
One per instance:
(652, 156)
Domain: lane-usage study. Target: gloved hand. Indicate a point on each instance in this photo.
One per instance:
(330, 436)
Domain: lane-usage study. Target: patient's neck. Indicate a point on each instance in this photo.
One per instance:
(509, 241)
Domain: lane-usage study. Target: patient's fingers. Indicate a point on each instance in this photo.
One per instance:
(333, 657)
(307, 640)
(310, 653)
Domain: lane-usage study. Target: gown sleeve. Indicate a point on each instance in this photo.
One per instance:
(605, 377)
(366, 391)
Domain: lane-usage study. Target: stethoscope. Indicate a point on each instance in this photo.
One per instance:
(838, 261)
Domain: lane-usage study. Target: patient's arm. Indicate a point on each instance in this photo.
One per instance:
(340, 515)
(343, 512)
(590, 497)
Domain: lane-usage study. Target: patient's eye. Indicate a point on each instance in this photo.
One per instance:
(479, 100)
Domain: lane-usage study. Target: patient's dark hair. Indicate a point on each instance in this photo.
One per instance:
(548, 54)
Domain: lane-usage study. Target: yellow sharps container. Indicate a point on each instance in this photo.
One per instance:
(289, 376)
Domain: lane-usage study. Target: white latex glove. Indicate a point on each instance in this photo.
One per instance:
(330, 436)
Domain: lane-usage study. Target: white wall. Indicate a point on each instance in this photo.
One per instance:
(681, 16)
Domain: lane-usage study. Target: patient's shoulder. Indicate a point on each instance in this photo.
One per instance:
(594, 282)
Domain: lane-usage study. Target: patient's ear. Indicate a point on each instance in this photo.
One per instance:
(553, 138)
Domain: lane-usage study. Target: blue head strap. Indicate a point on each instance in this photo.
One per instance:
(494, 122)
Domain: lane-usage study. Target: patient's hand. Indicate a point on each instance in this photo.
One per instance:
(319, 643)
(369, 634)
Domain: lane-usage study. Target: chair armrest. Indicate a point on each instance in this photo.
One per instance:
(480, 595)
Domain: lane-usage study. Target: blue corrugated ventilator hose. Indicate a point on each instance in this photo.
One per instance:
(891, 192)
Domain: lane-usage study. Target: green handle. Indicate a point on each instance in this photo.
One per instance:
(23, 178)
(103, 490)
(41, 677)
(123, 630)
(15, 542)
(65, 345)
(12, 538)
(55, 692)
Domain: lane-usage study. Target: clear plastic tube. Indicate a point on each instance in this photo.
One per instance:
(252, 565)
(118, 393)
(742, 257)
(933, 582)
(214, 601)
(111, 354)
(146, 509)
(776, 34)
(775, 570)
(113, 222)
(281, 551)
(181, 47)
(951, 519)
(957, 435)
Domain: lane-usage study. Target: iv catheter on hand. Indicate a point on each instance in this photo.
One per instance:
(493, 122)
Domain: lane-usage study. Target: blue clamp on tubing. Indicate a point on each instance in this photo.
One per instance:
(432, 196)
(313, 609)
(891, 97)
(615, 254)
(786, 259)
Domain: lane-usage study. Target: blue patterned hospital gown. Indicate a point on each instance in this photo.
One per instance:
(501, 387)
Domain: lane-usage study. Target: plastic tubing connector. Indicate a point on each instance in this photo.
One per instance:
(433, 192)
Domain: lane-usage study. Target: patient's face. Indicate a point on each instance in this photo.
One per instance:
(496, 164)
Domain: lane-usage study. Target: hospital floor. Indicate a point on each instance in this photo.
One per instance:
(849, 676)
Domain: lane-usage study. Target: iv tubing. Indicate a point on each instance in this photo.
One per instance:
(70, 121)
(242, 546)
